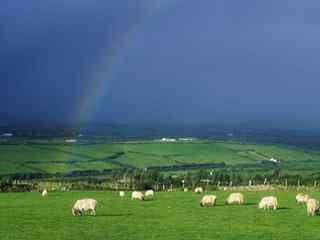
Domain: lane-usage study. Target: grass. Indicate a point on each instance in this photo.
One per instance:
(174, 215)
(55, 156)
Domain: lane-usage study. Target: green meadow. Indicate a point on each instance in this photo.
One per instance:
(58, 157)
(170, 215)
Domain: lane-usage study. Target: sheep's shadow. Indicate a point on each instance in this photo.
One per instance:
(148, 200)
(245, 204)
(115, 215)
(250, 204)
(210, 206)
(283, 208)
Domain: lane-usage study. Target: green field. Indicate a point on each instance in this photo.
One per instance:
(175, 215)
(55, 156)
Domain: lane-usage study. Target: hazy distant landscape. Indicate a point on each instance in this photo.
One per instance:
(45, 153)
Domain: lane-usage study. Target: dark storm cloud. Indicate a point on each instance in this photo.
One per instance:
(47, 47)
(189, 62)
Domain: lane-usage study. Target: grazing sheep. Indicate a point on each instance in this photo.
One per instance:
(312, 206)
(268, 202)
(302, 198)
(44, 193)
(149, 193)
(208, 200)
(235, 198)
(198, 190)
(83, 205)
(121, 193)
(137, 195)
(185, 189)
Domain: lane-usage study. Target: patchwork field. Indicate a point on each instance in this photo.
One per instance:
(175, 215)
(56, 156)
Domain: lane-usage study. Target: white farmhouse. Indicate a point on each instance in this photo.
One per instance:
(274, 160)
(186, 139)
(168, 140)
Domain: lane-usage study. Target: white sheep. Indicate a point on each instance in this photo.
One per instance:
(208, 200)
(137, 195)
(312, 207)
(268, 202)
(83, 205)
(235, 198)
(198, 190)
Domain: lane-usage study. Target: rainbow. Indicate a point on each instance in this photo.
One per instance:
(100, 75)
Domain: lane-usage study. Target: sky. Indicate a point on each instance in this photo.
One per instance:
(170, 62)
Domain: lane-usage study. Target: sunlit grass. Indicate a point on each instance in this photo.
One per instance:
(174, 215)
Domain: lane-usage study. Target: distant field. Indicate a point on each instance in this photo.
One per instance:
(57, 156)
(175, 215)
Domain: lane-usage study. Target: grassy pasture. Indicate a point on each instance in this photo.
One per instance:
(51, 157)
(175, 215)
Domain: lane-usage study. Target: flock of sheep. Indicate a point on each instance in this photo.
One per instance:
(270, 202)
(265, 203)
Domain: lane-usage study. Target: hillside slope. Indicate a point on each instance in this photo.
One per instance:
(57, 156)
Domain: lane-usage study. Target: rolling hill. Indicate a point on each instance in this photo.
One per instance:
(56, 156)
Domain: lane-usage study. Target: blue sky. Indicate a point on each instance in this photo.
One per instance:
(161, 62)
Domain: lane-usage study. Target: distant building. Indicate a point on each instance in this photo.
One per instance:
(186, 139)
(274, 160)
(70, 140)
(168, 140)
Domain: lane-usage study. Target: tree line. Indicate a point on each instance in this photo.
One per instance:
(131, 179)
